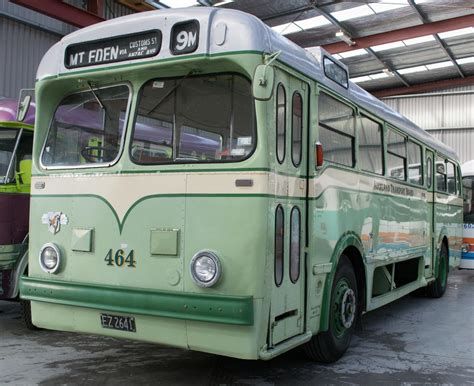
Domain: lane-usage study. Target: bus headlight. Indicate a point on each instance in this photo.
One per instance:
(49, 258)
(205, 268)
(465, 248)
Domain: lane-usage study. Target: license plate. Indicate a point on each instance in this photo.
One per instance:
(116, 322)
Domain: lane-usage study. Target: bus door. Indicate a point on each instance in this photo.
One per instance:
(290, 114)
(430, 184)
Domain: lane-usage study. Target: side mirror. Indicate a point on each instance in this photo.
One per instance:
(263, 82)
(23, 108)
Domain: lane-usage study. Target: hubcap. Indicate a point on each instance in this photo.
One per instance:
(344, 307)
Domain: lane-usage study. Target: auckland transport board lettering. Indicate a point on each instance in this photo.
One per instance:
(394, 189)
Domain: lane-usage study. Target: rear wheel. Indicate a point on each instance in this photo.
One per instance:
(330, 345)
(437, 288)
(26, 315)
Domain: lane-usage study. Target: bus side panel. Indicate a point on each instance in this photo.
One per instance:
(448, 223)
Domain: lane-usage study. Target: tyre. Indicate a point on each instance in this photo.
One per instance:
(26, 315)
(330, 345)
(437, 288)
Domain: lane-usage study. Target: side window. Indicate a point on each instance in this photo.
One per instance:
(281, 123)
(396, 155)
(295, 241)
(440, 174)
(429, 172)
(451, 177)
(279, 244)
(296, 128)
(459, 181)
(336, 130)
(370, 145)
(415, 166)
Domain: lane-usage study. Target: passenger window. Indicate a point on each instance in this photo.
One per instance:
(281, 123)
(336, 130)
(296, 129)
(396, 155)
(440, 174)
(370, 146)
(415, 166)
(451, 176)
(429, 172)
(295, 241)
(279, 244)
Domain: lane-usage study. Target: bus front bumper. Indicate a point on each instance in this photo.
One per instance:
(188, 306)
(225, 325)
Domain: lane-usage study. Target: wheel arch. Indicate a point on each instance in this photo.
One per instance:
(351, 246)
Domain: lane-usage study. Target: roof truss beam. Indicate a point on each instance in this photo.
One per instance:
(386, 65)
(437, 38)
(403, 34)
(61, 11)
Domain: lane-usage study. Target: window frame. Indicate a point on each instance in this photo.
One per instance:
(290, 260)
(297, 164)
(455, 193)
(422, 163)
(122, 141)
(353, 138)
(189, 162)
(285, 100)
(362, 113)
(438, 155)
(388, 152)
(278, 284)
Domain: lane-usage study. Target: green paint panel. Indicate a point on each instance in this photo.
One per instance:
(81, 240)
(164, 242)
(207, 308)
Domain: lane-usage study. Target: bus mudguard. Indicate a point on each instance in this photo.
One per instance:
(348, 239)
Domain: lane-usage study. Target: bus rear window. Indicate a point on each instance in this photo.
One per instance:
(87, 128)
(194, 119)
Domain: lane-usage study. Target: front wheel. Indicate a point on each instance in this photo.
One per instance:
(437, 288)
(330, 345)
(26, 315)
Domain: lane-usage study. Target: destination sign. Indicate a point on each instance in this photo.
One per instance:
(126, 47)
(184, 37)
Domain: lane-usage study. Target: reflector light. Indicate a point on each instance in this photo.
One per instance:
(319, 154)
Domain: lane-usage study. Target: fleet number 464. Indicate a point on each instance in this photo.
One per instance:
(119, 259)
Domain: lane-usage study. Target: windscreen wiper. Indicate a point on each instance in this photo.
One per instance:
(170, 92)
(99, 101)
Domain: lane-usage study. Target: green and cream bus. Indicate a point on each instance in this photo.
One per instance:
(200, 181)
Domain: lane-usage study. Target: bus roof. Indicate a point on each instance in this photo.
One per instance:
(223, 31)
(8, 114)
(467, 169)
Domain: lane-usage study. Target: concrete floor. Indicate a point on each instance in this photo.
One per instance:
(412, 341)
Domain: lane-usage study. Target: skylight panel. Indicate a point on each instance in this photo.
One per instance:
(287, 28)
(388, 46)
(179, 3)
(352, 13)
(361, 79)
(469, 59)
(435, 66)
(421, 39)
(223, 2)
(350, 54)
(411, 70)
(312, 22)
(389, 5)
(379, 75)
(456, 32)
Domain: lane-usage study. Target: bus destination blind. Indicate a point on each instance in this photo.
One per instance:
(127, 47)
